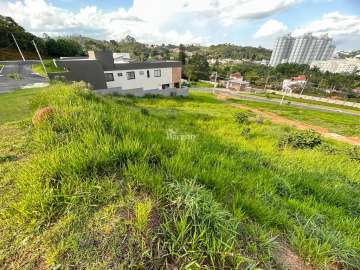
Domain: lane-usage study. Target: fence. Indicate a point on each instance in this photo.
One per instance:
(321, 99)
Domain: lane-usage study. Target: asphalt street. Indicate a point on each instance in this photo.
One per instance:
(27, 77)
(276, 101)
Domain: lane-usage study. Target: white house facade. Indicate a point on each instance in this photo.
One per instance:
(102, 72)
(144, 78)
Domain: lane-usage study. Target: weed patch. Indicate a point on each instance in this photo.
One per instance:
(300, 139)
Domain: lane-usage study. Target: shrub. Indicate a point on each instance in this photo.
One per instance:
(300, 139)
(15, 76)
(145, 111)
(259, 120)
(328, 148)
(354, 153)
(241, 118)
(42, 114)
(246, 132)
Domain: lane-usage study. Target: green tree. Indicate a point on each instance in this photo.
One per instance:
(182, 56)
(190, 72)
(199, 67)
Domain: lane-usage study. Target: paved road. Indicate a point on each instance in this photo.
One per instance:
(277, 101)
(27, 77)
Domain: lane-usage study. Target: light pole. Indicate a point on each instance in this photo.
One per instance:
(17, 45)
(40, 57)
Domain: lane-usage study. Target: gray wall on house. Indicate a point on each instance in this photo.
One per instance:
(106, 59)
(89, 71)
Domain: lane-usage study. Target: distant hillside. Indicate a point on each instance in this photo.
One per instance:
(8, 49)
(237, 52)
(347, 54)
(78, 45)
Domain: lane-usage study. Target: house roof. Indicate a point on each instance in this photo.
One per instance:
(144, 65)
(299, 78)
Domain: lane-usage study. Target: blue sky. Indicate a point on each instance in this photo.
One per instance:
(252, 22)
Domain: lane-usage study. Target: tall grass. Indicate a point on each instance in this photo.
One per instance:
(73, 195)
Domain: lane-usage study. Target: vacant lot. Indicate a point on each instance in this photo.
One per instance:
(15, 106)
(121, 182)
(286, 98)
(339, 123)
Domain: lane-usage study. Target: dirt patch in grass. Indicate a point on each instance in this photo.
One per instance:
(285, 258)
(297, 124)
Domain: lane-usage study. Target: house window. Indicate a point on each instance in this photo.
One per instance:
(120, 74)
(148, 73)
(157, 73)
(130, 75)
(109, 77)
(141, 72)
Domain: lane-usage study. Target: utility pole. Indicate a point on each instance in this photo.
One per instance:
(266, 82)
(39, 56)
(302, 90)
(17, 45)
(215, 84)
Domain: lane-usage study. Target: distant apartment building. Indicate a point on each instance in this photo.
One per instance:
(301, 50)
(105, 70)
(348, 65)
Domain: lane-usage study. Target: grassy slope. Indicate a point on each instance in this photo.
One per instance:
(339, 123)
(269, 95)
(49, 65)
(102, 185)
(15, 106)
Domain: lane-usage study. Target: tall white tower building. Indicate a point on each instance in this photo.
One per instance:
(281, 50)
(301, 50)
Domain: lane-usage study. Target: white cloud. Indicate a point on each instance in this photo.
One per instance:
(334, 24)
(180, 21)
(344, 29)
(270, 28)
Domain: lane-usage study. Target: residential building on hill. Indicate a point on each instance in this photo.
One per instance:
(236, 82)
(301, 50)
(101, 71)
(348, 65)
(294, 83)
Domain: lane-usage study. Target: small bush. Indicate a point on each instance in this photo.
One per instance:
(354, 153)
(42, 114)
(259, 120)
(145, 111)
(328, 149)
(300, 139)
(241, 118)
(246, 132)
(15, 76)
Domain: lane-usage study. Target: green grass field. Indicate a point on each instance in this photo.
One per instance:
(108, 182)
(339, 123)
(269, 95)
(49, 65)
(15, 106)
(201, 84)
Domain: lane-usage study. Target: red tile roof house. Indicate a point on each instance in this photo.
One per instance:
(295, 82)
(236, 82)
(128, 78)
